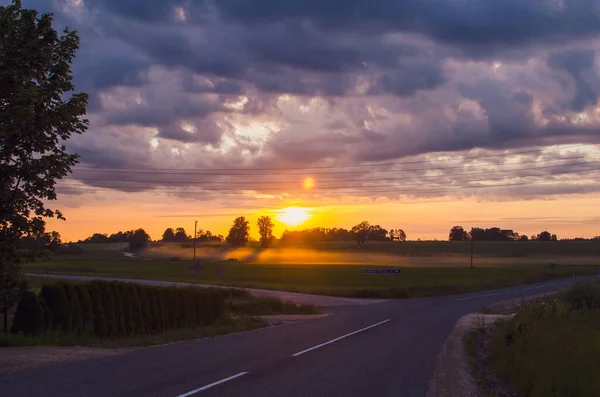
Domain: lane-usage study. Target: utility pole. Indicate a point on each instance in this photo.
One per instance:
(195, 225)
(471, 252)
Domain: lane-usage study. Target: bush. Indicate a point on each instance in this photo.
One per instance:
(87, 308)
(29, 317)
(120, 328)
(55, 299)
(75, 317)
(583, 296)
(113, 309)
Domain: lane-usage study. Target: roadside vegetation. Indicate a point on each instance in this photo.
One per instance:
(114, 314)
(551, 347)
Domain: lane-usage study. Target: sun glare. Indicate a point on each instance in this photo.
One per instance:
(293, 216)
(309, 183)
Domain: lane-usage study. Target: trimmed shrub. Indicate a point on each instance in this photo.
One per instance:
(138, 312)
(29, 317)
(128, 308)
(85, 304)
(55, 299)
(120, 328)
(100, 328)
(108, 302)
(75, 321)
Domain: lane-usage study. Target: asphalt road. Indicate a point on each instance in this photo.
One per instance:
(383, 349)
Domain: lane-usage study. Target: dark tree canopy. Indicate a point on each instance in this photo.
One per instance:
(265, 229)
(169, 235)
(37, 114)
(361, 232)
(139, 239)
(239, 233)
(457, 233)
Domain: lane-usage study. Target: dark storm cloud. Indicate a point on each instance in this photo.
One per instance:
(478, 23)
(580, 65)
(407, 79)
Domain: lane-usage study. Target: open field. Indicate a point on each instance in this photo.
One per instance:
(330, 272)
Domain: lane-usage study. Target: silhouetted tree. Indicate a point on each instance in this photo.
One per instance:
(168, 236)
(544, 236)
(139, 239)
(361, 232)
(239, 232)
(265, 229)
(37, 116)
(181, 236)
(401, 235)
(457, 233)
(377, 233)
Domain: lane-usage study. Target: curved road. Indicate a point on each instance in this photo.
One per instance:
(383, 349)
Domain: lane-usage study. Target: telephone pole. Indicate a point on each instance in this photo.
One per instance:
(471, 252)
(195, 225)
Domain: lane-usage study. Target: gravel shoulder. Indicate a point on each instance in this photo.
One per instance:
(452, 374)
(13, 359)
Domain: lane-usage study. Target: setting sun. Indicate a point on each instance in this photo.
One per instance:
(293, 216)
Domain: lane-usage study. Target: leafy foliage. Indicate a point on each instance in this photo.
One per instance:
(36, 116)
(265, 230)
(138, 239)
(239, 232)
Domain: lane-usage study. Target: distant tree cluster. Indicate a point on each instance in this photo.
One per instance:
(360, 233)
(458, 233)
(33, 244)
(136, 239)
(179, 235)
(112, 309)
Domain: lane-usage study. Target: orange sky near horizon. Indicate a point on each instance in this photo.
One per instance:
(567, 216)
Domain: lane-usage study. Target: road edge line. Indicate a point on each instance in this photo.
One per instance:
(339, 338)
(212, 385)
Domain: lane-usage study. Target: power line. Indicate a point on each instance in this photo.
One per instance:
(218, 173)
(280, 183)
(305, 191)
(332, 167)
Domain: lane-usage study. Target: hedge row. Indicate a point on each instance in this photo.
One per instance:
(113, 309)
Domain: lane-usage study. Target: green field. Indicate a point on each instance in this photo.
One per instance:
(428, 268)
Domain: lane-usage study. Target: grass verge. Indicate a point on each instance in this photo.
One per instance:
(223, 326)
(551, 347)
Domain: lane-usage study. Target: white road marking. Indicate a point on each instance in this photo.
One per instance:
(212, 384)
(479, 296)
(339, 338)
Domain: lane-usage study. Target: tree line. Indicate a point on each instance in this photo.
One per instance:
(458, 233)
(114, 309)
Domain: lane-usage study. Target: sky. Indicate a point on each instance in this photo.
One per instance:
(413, 114)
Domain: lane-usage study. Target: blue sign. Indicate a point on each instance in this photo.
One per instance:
(385, 271)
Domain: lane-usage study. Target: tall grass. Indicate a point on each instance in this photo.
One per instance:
(551, 347)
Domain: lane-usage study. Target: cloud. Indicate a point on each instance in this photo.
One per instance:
(271, 84)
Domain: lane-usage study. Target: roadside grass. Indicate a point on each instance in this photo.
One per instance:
(225, 325)
(551, 347)
(325, 279)
(242, 313)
